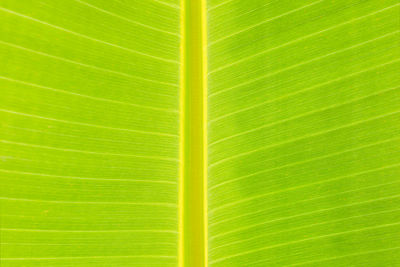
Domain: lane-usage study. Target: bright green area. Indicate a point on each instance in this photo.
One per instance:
(89, 132)
(304, 133)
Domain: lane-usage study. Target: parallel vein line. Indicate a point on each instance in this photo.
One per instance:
(161, 204)
(303, 63)
(232, 204)
(220, 4)
(124, 18)
(249, 226)
(300, 39)
(304, 227)
(304, 137)
(265, 21)
(88, 178)
(166, 4)
(88, 257)
(304, 214)
(87, 152)
(78, 165)
(86, 124)
(306, 239)
(301, 187)
(89, 231)
(299, 92)
(77, 243)
(86, 65)
(79, 137)
(86, 37)
(86, 96)
(294, 118)
(347, 255)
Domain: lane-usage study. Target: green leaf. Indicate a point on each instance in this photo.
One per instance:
(101, 132)
(89, 132)
(304, 124)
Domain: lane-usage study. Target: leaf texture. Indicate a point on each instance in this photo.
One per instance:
(89, 132)
(304, 163)
(303, 132)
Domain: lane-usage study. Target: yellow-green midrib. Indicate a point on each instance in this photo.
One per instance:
(194, 136)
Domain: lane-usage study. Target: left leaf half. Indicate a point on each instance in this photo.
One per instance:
(89, 99)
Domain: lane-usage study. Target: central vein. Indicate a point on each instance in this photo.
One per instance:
(193, 178)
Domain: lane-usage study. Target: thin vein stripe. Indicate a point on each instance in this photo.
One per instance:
(303, 227)
(77, 243)
(294, 118)
(89, 257)
(345, 256)
(301, 39)
(80, 137)
(305, 214)
(304, 240)
(86, 96)
(299, 92)
(304, 137)
(218, 5)
(87, 152)
(265, 21)
(126, 19)
(233, 204)
(89, 231)
(87, 65)
(166, 4)
(88, 178)
(86, 124)
(87, 37)
(303, 63)
(301, 187)
(78, 165)
(161, 204)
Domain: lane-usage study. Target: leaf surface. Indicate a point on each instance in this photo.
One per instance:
(303, 132)
(304, 160)
(89, 132)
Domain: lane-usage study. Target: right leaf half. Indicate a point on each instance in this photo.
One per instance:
(304, 123)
